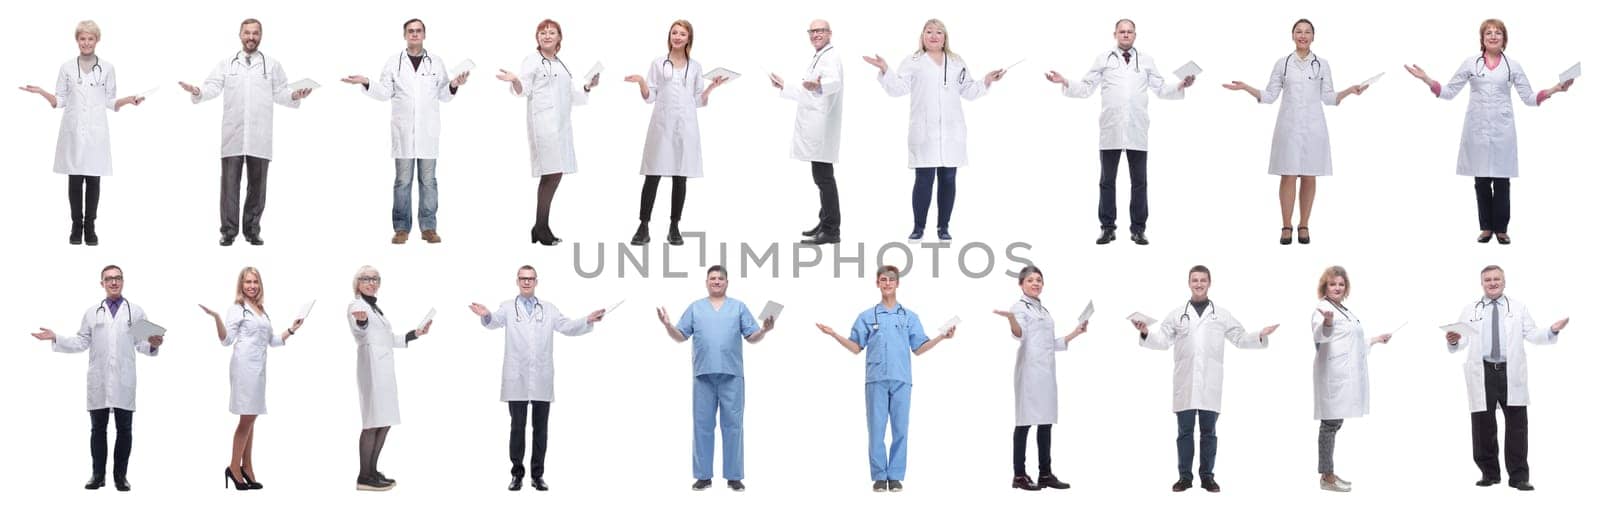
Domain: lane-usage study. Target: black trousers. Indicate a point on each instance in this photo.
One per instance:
(1485, 448)
(1494, 203)
(83, 195)
(828, 189)
(647, 197)
(97, 440)
(541, 429)
(255, 199)
(1139, 205)
(1019, 450)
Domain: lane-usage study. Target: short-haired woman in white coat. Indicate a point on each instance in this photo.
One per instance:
(380, 393)
(249, 330)
(1300, 148)
(1489, 137)
(1035, 380)
(937, 80)
(1339, 371)
(85, 88)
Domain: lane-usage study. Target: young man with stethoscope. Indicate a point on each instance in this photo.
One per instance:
(107, 333)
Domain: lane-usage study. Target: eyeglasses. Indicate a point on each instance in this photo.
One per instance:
(369, 280)
(113, 278)
(527, 279)
(815, 31)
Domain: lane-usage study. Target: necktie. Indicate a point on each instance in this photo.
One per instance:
(1126, 57)
(1494, 328)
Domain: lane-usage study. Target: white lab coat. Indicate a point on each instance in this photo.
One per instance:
(529, 371)
(938, 133)
(818, 114)
(415, 95)
(113, 378)
(1489, 135)
(375, 377)
(1515, 324)
(1339, 371)
(672, 145)
(1300, 144)
(248, 92)
(83, 146)
(250, 334)
(1124, 106)
(1035, 377)
(551, 91)
(1197, 359)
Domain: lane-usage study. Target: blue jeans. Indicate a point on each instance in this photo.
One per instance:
(888, 402)
(922, 194)
(714, 393)
(1208, 443)
(428, 200)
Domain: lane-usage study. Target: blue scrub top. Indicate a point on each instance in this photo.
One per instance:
(889, 336)
(717, 334)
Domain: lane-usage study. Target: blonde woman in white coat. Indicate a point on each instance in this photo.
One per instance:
(1496, 368)
(551, 92)
(85, 88)
(1489, 136)
(1035, 380)
(937, 80)
(672, 145)
(249, 330)
(375, 376)
(1300, 147)
(1339, 371)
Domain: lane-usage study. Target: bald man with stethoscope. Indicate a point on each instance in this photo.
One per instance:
(107, 333)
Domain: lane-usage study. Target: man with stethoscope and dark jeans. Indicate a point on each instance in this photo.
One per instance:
(527, 378)
(820, 96)
(1495, 357)
(249, 82)
(107, 333)
(414, 82)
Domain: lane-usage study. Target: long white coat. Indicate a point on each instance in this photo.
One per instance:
(672, 145)
(375, 377)
(83, 146)
(113, 378)
(1197, 357)
(551, 91)
(248, 91)
(819, 114)
(1339, 371)
(1124, 105)
(938, 133)
(415, 95)
(529, 370)
(250, 334)
(1489, 135)
(1035, 377)
(1515, 324)
(1300, 144)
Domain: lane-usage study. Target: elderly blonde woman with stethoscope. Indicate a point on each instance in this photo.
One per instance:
(85, 88)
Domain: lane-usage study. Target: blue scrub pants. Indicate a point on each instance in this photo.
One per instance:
(724, 393)
(888, 401)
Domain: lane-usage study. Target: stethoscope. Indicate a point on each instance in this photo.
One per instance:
(1035, 305)
(818, 58)
(1481, 68)
(961, 78)
(1135, 57)
(94, 71)
(1484, 304)
(550, 71)
(1316, 67)
(1342, 311)
(125, 303)
(263, 57)
(426, 60)
(670, 70)
(899, 313)
(537, 312)
(1187, 305)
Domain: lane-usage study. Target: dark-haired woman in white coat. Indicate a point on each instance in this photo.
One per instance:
(1035, 378)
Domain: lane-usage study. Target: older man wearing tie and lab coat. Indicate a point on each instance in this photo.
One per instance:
(414, 83)
(1196, 332)
(1123, 76)
(817, 119)
(527, 378)
(106, 332)
(1497, 375)
(249, 83)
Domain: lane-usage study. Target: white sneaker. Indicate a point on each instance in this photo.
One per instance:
(1339, 485)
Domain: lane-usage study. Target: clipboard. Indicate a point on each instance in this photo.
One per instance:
(143, 330)
(305, 310)
(426, 319)
(721, 72)
(464, 66)
(305, 84)
(1088, 311)
(1142, 318)
(771, 310)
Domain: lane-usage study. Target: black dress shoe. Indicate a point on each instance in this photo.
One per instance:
(1050, 481)
(76, 238)
(895, 486)
(1287, 236)
(641, 236)
(1023, 482)
(538, 484)
(254, 240)
(821, 239)
(736, 485)
(1139, 239)
(1182, 484)
(1521, 485)
(1210, 484)
(516, 484)
(226, 241)
(1303, 235)
(122, 484)
(701, 484)
(95, 482)
(381, 477)
(880, 486)
(1486, 482)
(1106, 235)
(673, 238)
(812, 232)
(89, 237)
(1484, 238)
(1501, 237)
(916, 235)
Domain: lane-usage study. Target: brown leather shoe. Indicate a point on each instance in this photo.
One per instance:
(400, 237)
(430, 235)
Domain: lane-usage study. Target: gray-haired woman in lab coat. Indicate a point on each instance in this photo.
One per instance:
(375, 376)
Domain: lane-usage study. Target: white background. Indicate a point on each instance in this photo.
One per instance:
(1394, 214)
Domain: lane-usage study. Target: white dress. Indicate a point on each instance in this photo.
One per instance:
(83, 146)
(250, 334)
(1300, 144)
(672, 145)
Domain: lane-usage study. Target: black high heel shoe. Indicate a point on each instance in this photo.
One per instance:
(1286, 238)
(1303, 235)
(237, 484)
(545, 237)
(249, 481)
